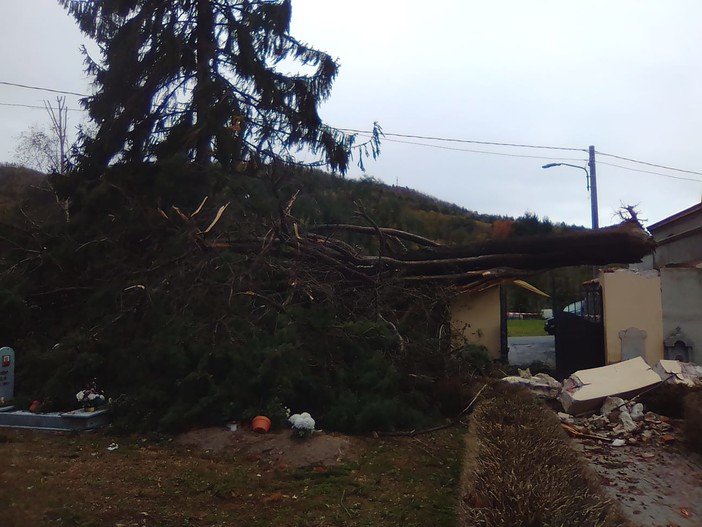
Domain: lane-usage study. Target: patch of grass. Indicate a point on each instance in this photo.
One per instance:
(393, 481)
(526, 328)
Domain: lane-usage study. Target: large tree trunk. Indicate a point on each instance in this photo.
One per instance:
(202, 93)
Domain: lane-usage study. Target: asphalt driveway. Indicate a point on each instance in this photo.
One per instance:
(525, 350)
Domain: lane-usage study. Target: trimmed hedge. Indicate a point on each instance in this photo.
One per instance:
(520, 470)
(693, 420)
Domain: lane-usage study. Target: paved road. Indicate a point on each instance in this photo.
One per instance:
(525, 350)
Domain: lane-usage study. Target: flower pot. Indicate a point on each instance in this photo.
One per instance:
(89, 409)
(261, 424)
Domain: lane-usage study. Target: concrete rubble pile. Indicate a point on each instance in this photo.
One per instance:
(600, 403)
(542, 384)
(586, 390)
(621, 423)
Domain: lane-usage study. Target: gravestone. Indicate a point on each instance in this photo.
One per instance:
(633, 343)
(677, 346)
(7, 374)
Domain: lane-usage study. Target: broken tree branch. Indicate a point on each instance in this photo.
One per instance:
(332, 227)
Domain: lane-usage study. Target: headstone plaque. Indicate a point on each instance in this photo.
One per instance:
(7, 374)
(633, 343)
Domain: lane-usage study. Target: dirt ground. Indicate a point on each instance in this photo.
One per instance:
(656, 485)
(280, 449)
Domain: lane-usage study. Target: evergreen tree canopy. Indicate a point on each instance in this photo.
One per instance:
(202, 79)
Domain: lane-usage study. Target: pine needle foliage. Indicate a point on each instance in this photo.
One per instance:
(203, 79)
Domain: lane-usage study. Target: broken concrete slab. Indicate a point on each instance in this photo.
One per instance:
(682, 372)
(541, 384)
(585, 390)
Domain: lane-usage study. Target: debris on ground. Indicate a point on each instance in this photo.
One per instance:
(614, 422)
(585, 390)
(645, 468)
(542, 384)
(652, 483)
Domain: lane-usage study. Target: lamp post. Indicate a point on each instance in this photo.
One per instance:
(591, 183)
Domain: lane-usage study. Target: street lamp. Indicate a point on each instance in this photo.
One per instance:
(591, 184)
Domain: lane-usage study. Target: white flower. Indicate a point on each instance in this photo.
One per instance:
(89, 395)
(303, 421)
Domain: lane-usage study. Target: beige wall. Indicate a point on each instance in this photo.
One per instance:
(477, 317)
(632, 300)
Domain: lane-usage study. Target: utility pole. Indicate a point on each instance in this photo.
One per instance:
(591, 176)
(593, 188)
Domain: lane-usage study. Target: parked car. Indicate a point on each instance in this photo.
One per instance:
(577, 308)
(550, 326)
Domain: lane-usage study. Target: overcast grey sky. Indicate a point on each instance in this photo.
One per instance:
(624, 75)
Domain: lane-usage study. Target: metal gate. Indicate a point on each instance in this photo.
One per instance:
(580, 334)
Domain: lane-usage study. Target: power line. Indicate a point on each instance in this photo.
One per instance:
(651, 164)
(439, 147)
(536, 157)
(519, 145)
(42, 89)
(35, 107)
(432, 138)
(451, 140)
(650, 172)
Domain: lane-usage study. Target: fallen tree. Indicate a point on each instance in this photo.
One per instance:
(470, 265)
(190, 311)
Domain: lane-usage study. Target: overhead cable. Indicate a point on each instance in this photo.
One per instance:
(519, 145)
(455, 149)
(35, 107)
(387, 136)
(649, 172)
(28, 87)
(650, 164)
(430, 138)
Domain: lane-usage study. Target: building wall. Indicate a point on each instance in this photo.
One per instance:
(680, 249)
(632, 300)
(679, 238)
(476, 316)
(682, 305)
(683, 222)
